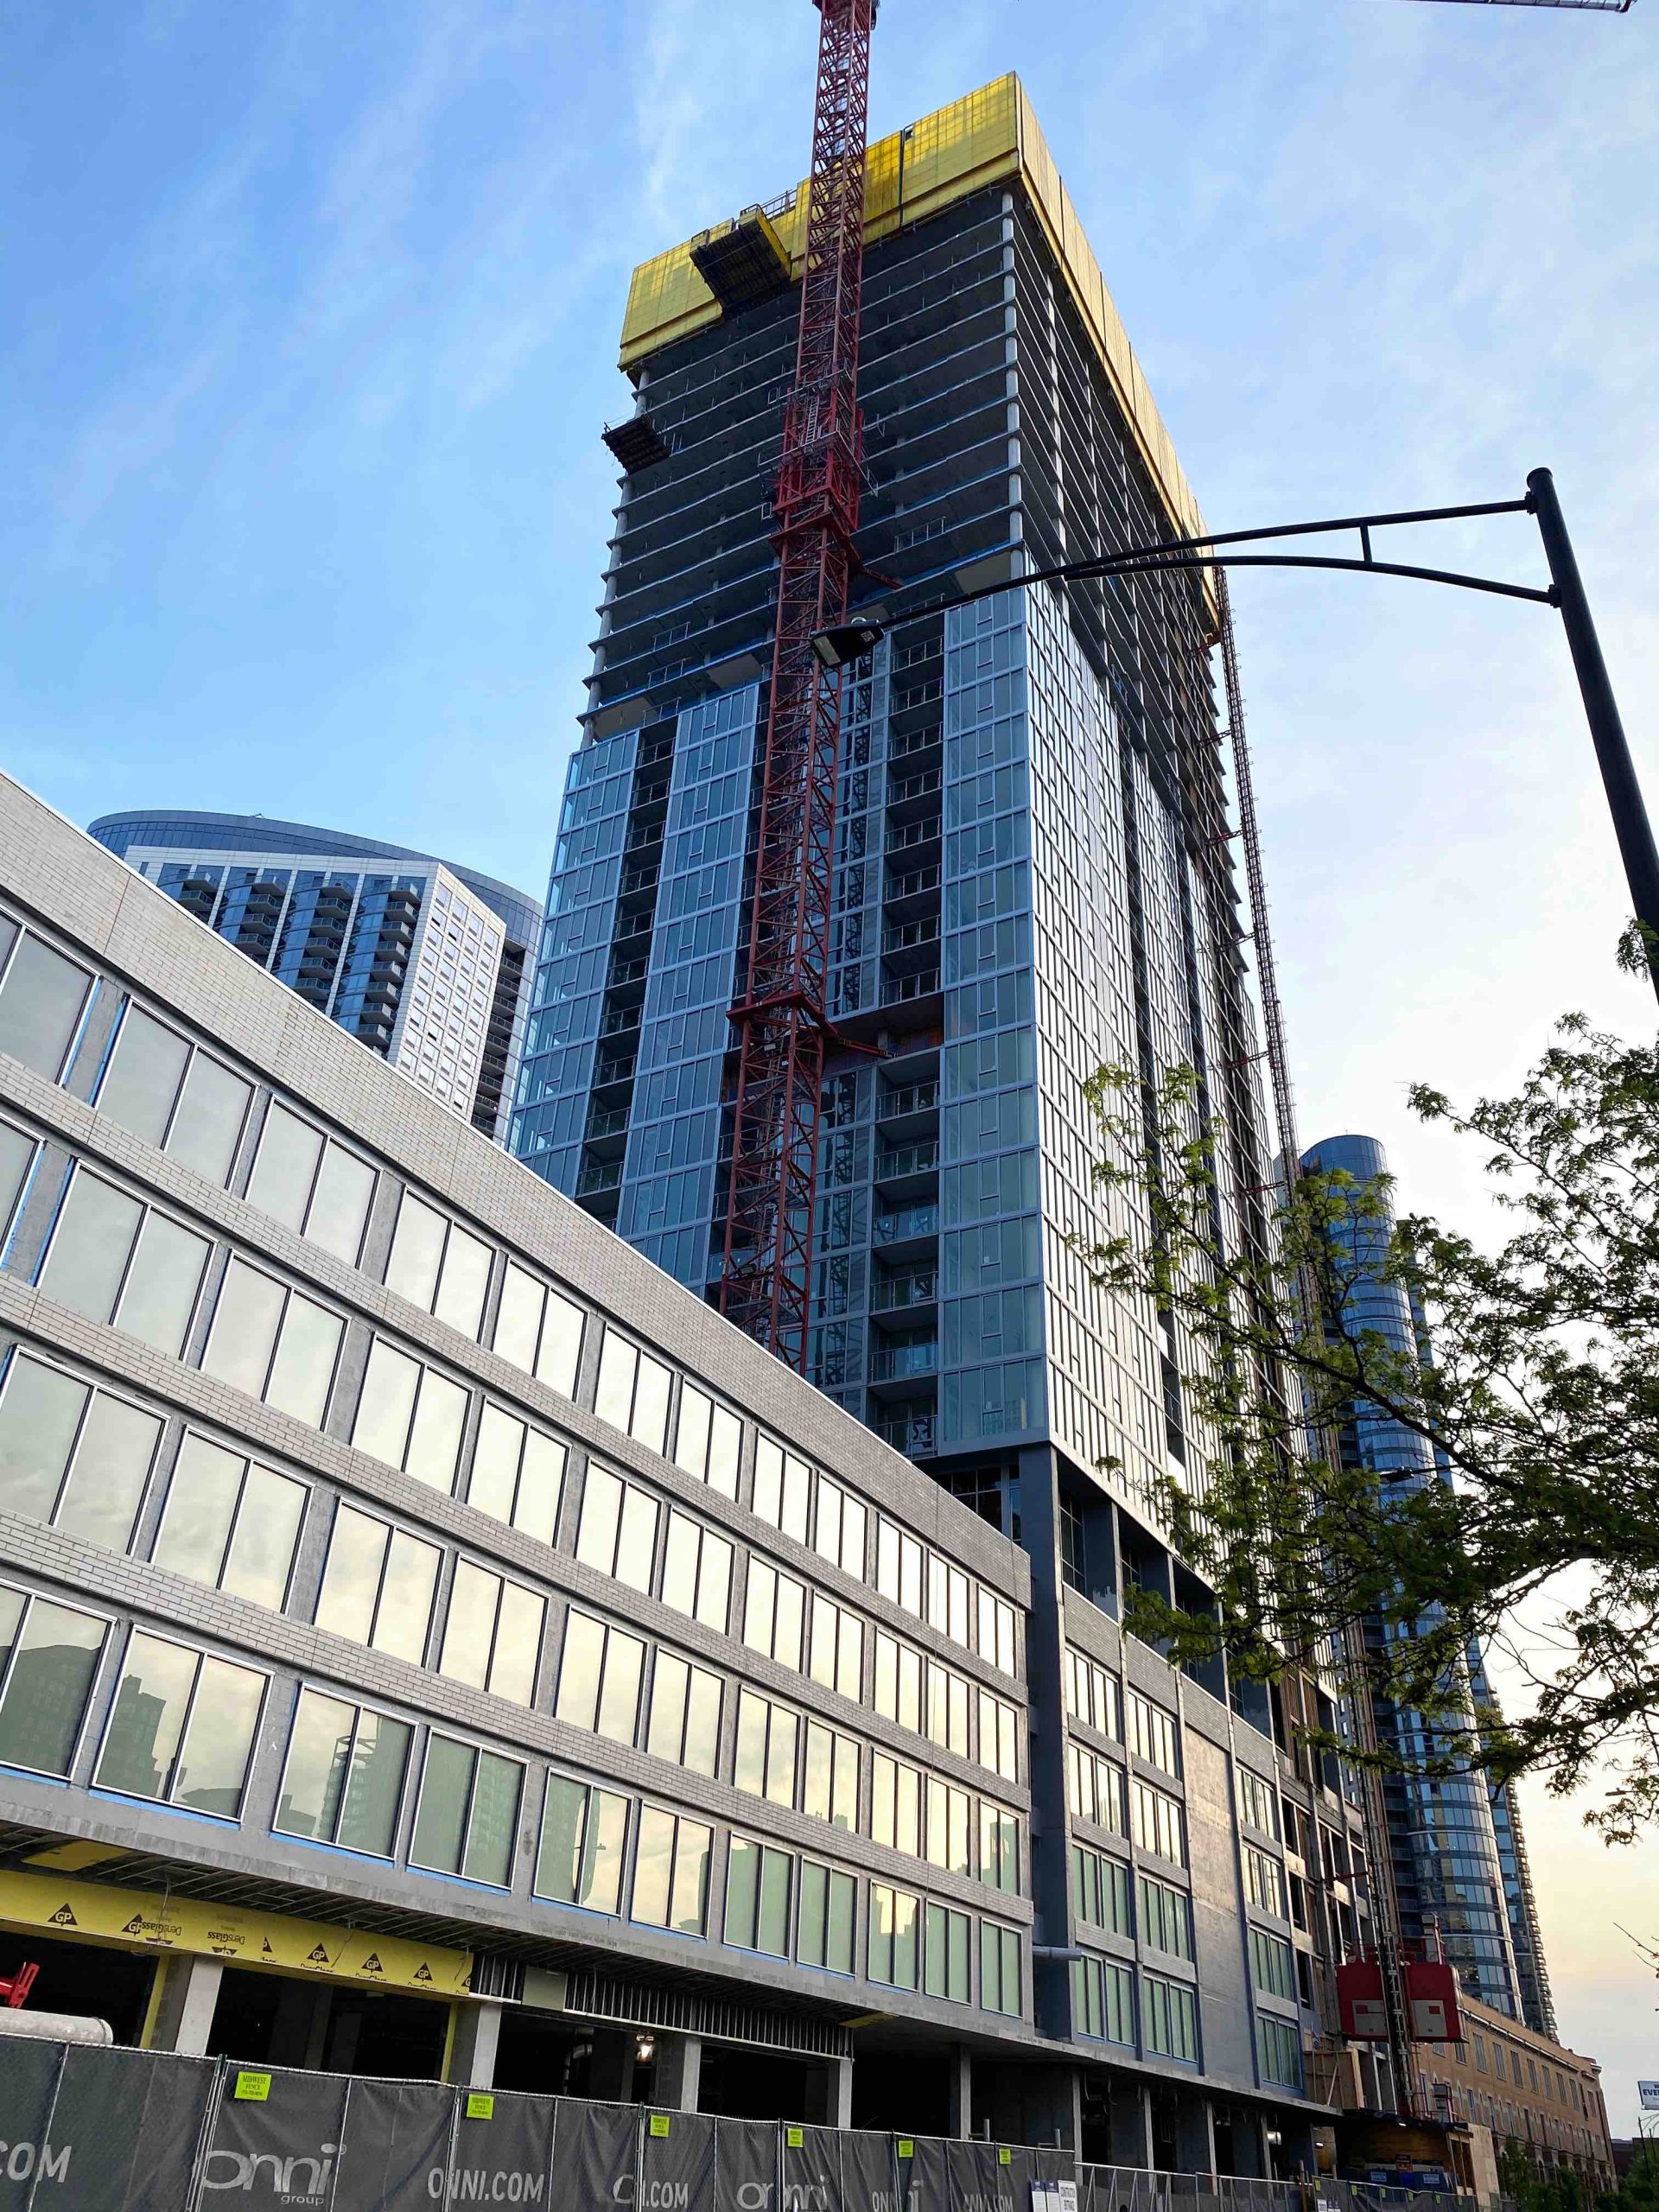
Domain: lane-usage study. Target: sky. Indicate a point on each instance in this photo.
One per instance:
(313, 313)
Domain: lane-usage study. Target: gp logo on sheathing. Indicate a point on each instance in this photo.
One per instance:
(293, 2181)
(478, 2185)
(49, 2161)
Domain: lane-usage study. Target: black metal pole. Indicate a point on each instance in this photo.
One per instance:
(1624, 800)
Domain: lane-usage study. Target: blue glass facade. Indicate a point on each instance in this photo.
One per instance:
(1460, 1861)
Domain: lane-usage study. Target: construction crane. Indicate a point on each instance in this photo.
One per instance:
(781, 1014)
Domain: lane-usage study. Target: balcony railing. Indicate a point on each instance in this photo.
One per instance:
(893, 1362)
(903, 935)
(899, 989)
(895, 1223)
(918, 1159)
(914, 1098)
(913, 833)
(911, 885)
(921, 1288)
(592, 1180)
(913, 1435)
(612, 1123)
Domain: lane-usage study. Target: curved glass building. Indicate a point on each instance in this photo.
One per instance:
(422, 960)
(1459, 1863)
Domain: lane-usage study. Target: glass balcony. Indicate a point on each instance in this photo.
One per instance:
(912, 1432)
(920, 1287)
(902, 1160)
(914, 1098)
(895, 1363)
(895, 1223)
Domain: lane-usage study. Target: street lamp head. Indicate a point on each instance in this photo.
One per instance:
(849, 641)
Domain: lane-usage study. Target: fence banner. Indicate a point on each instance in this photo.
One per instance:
(677, 2162)
(597, 2149)
(29, 2142)
(811, 2169)
(746, 2168)
(502, 2152)
(134, 2119)
(275, 2137)
(867, 2183)
(395, 2135)
(927, 2182)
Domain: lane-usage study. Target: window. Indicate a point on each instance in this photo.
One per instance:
(684, 1725)
(947, 1950)
(830, 1776)
(999, 1968)
(1258, 1803)
(949, 1815)
(774, 1607)
(996, 1632)
(836, 1656)
(670, 1872)
(1166, 1917)
(311, 1185)
(1157, 1822)
(1169, 2015)
(633, 1392)
(893, 1936)
(1095, 1790)
(48, 1655)
(518, 1474)
(899, 1560)
(492, 1634)
(42, 999)
(783, 1489)
(181, 1729)
(1264, 1881)
(825, 1923)
(272, 1343)
(174, 1097)
(895, 1804)
(999, 1737)
(999, 1846)
(1271, 1962)
(410, 1416)
(16, 1157)
(76, 1457)
(618, 1532)
(344, 1780)
(706, 1440)
(898, 1682)
(378, 1584)
(767, 1736)
(1102, 1999)
(1091, 1695)
(584, 1839)
(116, 1260)
(946, 1710)
(538, 1331)
(758, 1883)
(840, 1522)
(468, 1819)
(1152, 1734)
(697, 1572)
(1279, 2050)
(600, 1674)
(231, 1523)
(947, 1600)
(1100, 1890)
(439, 1266)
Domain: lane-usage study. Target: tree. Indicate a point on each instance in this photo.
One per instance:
(1538, 1412)
(1639, 2189)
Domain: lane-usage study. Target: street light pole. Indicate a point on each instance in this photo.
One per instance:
(860, 635)
(1624, 800)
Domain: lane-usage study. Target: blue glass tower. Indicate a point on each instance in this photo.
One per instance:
(1459, 1860)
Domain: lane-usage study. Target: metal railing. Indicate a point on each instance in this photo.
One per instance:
(908, 1159)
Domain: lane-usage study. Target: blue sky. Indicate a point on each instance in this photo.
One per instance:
(313, 313)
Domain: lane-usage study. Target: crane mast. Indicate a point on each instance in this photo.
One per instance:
(781, 1014)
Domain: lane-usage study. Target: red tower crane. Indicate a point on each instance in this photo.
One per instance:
(782, 1017)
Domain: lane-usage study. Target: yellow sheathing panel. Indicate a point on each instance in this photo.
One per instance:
(987, 136)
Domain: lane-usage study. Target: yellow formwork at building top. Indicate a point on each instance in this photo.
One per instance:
(989, 136)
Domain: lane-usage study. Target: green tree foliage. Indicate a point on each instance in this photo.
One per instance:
(1639, 2191)
(1541, 1407)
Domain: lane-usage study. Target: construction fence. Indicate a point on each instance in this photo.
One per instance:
(83, 2129)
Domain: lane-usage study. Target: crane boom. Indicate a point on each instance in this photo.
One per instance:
(781, 1015)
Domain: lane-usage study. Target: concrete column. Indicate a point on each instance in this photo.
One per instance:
(610, 2073)
(679, 2072)
(959, 2091)
(182, 2017)
(1051, 1862)
(474, 2035)
(1195, 2138)
(1131, 2113)
(829, 2094)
